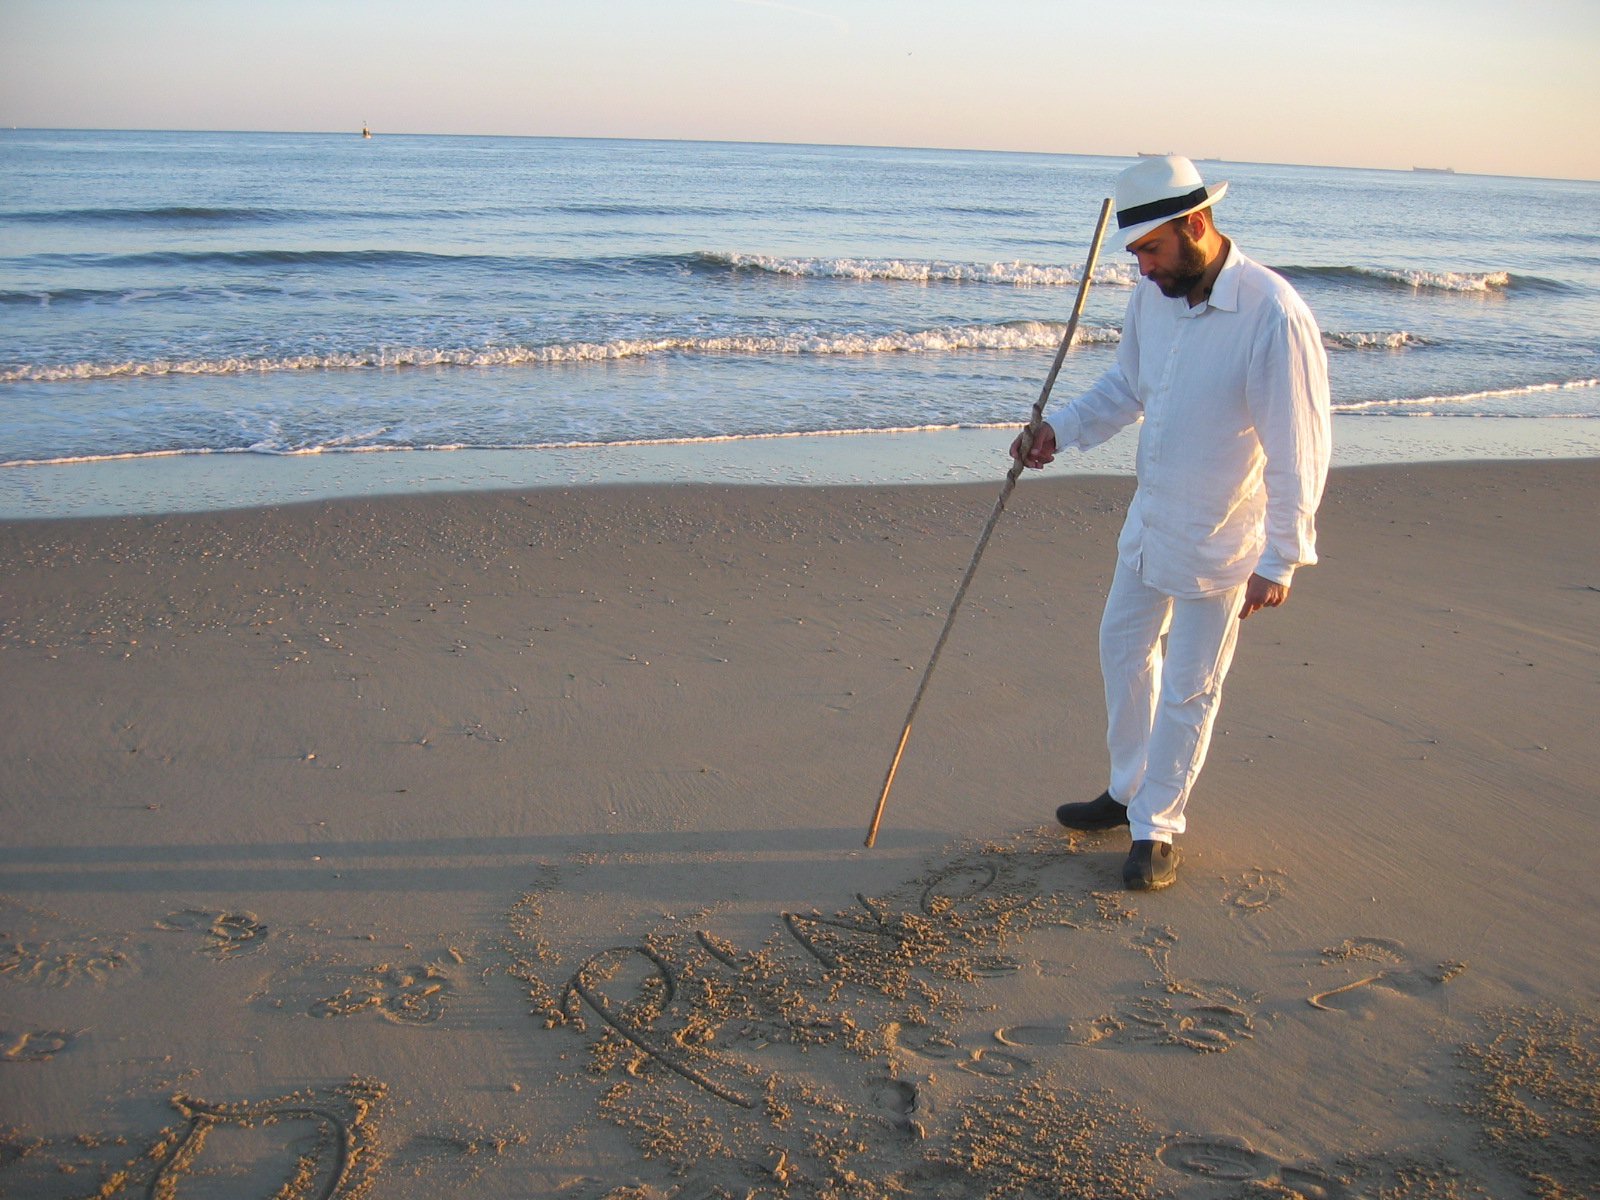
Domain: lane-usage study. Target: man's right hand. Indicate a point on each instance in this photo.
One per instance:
(1043, 449)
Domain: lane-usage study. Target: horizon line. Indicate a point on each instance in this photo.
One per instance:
(557, 137)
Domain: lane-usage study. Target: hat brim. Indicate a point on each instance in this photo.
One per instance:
(1133, 233)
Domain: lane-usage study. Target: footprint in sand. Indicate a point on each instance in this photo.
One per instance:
(227, 933)
(1215, 1158)
(1233, 1159)
(1312, 1184)
(995, 1063)
(412, 995)
(1074, 1033)
(895, 1096)
(1255, 891)
(1207, 1018)
(994, 966)
(37, 1045)
(923, 1040)
(940, 1047)
(62, 963)
(1381, 963)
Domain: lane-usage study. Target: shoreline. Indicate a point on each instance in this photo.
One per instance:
(212, 482)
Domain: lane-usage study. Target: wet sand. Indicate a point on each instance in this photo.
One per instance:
(508, 844)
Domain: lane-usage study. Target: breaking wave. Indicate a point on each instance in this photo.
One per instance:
(1012, 274)
(716, 262)
(1006, 336)
(1376, 340)
(1012, 335)
(1478, 282)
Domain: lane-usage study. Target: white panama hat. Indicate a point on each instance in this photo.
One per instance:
(1155, 190)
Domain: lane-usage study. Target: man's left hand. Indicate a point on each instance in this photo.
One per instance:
(1261, 592)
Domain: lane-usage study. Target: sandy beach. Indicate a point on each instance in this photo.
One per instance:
(509, 844)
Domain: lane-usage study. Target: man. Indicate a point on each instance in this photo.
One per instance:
(1224, 363)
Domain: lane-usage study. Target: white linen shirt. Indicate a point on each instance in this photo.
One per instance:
(1233, 451)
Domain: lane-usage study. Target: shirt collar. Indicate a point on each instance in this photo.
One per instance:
(1225, 291)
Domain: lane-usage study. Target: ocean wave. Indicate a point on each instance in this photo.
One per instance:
(618, 208)
(1007, 211)
(266, 278)
(1480, 282)
(45, 297)
(177, 214)
(1007, 274)
(263, 258)
(1376, 340)
(184, 214)
(48, 297)
(1011, 335)
(1413, 403)
(1012, 274)
(1005, 336)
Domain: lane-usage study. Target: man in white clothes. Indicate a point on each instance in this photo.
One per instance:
(1224, 363)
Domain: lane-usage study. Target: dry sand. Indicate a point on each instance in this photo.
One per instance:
(509, 845)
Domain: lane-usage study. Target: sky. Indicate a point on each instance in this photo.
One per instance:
(1493, 86)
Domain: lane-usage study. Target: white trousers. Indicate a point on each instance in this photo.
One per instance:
(1161, 700)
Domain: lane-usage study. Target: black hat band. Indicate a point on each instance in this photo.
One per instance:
(1157, 209)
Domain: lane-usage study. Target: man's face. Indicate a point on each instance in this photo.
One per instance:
(1170, 258)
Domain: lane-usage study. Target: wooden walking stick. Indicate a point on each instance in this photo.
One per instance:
(1028, 435)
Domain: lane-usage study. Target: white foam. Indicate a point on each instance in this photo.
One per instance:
(1533, 389)
(1012, 274)
(1374, 340)
(1445, 281)
(1012, 335)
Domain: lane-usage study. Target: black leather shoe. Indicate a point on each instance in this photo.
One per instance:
(1100, 813)
(1151, 866)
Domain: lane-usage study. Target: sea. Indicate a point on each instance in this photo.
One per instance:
(192, 321)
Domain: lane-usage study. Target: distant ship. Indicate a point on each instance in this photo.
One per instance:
(1435, 170)
(365, 132)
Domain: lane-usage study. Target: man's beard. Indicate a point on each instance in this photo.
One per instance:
(1191, 269)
